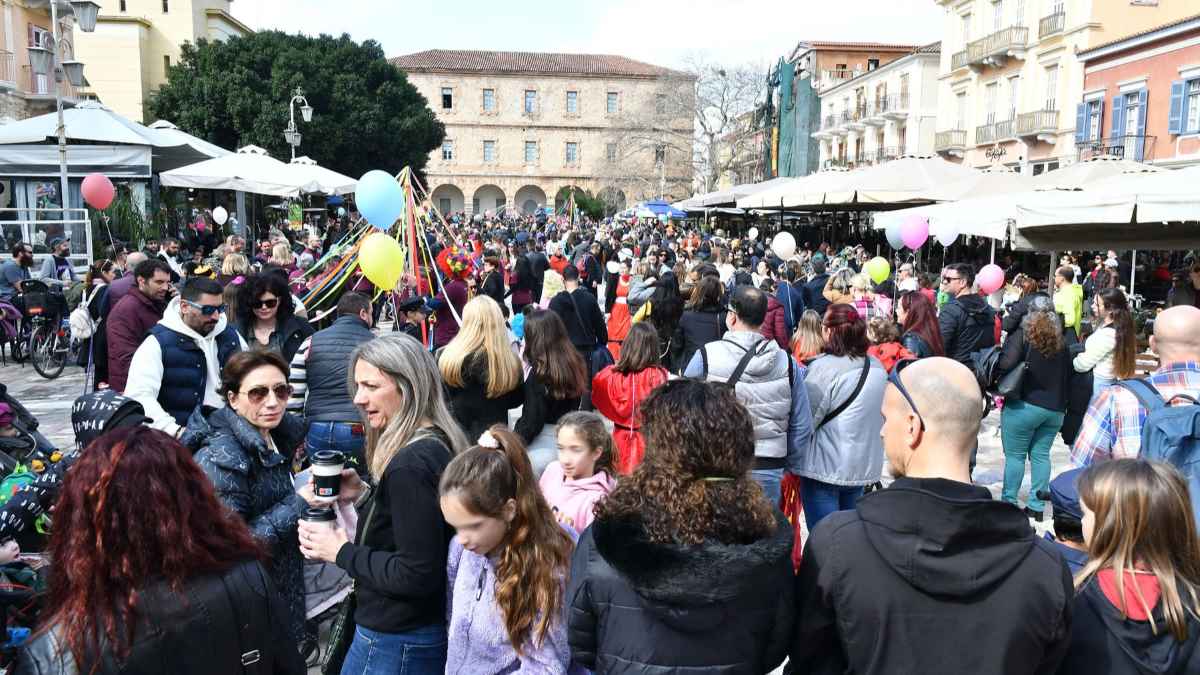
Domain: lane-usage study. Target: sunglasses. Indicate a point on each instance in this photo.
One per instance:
(207, 310)
(946, 280)
(894, 378)
(257, 395)
(269, 303)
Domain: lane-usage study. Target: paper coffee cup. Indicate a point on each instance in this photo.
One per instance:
(320, 515)
(327, 474)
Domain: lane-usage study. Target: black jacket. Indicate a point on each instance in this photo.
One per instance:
(493, 287)
(1047, 381)
(218, 619)
(1099, 635)
(814, 294)
(290, 335)
(538, 264)
(540, 408)
(697, 327)
(1017, 311)
(916, 344)
(585, 327)
(967, 325)
(636, 606)
(930, 576)
(470, 405)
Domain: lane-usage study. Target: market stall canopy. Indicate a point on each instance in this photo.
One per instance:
(986, 183)
(1082, 175)
(656, 208)
(93, 123)
(315, 179)
(980, 217)
(730, 196)
(907, 179)
(808, 191)
(171, 131)
(250, 169)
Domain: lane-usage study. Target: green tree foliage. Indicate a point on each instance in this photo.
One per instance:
(366, 113)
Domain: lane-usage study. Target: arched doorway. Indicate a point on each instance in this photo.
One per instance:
(487, 198)
(529, 199)
(448, 199)
(613, 199)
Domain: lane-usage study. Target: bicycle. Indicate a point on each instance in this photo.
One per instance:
(49, 342)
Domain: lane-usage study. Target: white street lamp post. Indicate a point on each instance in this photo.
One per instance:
(290, 134)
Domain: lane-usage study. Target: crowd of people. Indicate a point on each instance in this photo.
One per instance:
(589, 447)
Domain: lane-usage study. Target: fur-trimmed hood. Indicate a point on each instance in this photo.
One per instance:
(692, 588)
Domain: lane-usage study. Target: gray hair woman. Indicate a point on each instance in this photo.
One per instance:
(398, 560)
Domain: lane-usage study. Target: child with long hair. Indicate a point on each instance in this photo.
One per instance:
(508, 564)
(809, 341)
(583, 474)
(481, 371)
(1137, 600)
(619, 389)
(1111, 351)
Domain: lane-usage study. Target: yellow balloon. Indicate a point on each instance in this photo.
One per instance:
(878, 269)
(382, 260)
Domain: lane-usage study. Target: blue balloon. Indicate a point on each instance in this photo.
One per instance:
(380, 199)
(341, 212)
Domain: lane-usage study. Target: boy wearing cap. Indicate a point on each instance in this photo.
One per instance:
(1068, 519)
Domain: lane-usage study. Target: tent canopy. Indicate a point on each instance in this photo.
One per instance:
(250, 169)
(797, 192)
(658, 207)
(313, 178)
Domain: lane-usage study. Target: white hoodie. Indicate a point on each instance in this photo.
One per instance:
(146, 368)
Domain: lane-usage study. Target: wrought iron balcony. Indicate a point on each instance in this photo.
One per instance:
(8, 70)
(997, 48)
(994, 132)
(952, 141)
(958, 60)
(1129, 146)
(1050, 25)
(1040, 123)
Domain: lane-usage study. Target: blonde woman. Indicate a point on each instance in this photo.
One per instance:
(1137, 600)
(233, 266)
(809, 340)
(281, 256)
(482, 372)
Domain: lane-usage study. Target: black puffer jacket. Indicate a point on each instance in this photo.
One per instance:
(916, 344)
(255, 480)
(288, 335)
(221, 622)
(967, 325)
(649, 608)
(697, 327)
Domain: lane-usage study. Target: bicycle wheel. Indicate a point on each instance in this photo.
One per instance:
(48, 359)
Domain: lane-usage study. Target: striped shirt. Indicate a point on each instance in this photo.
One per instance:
(1112, 427)
(298, 377)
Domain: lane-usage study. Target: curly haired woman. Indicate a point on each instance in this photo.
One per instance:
(680, 546)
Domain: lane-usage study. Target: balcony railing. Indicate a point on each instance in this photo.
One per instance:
(1129, 146)
(958, 60)
(840, 74)
(1004, 130)
(953, 139)
(8, 69)
(991, 133)
(894, 106)
(829, 122)
(1049, 25)
(886, 154)
(42, 86)
(1037, 122)
(994, 49)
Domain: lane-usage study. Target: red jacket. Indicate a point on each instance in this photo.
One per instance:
(774, 326)
(128, 324)
(617, 396)
(889, 353)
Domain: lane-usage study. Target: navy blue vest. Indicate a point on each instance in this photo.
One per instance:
(328, 398)
(184, 372)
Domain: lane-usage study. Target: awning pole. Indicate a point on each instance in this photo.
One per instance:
(993, 251)
(1132, 271)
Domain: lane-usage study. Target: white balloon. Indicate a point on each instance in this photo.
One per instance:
(892, 232)
(752, 234)
(613, 267)
(946, 232)
(784, 245)
(220, 215)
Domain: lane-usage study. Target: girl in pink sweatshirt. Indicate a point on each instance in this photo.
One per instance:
(583, 474)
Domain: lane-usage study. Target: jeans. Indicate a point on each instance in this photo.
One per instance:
(1027, 430)
(821, 499)
(347, 438)
(418, 652)
(770, 481)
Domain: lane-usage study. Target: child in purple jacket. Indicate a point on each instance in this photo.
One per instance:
(507, 567)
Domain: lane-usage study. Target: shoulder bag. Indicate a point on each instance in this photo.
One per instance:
(600, 357)
(341, 632)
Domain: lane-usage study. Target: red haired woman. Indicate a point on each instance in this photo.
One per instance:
(919, 325)
(141, 545)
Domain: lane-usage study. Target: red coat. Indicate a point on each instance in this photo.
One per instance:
(774, 326)
(617, 396)
(127, 326)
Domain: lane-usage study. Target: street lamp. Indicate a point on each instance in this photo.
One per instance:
(290, 134)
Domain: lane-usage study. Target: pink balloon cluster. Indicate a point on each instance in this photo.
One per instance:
(914, 231)
(98, 190)
(990, 279)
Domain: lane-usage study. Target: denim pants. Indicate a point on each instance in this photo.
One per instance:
(770, 481)
(1027, 430)
(821, 499)
(347, 438)
(418, 652)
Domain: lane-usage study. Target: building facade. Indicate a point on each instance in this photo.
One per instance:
(25, 26)
(1141, 96)
(881, 114)
(523, 128)
(812, 67)
(136, 42)
(742, 153)
(1010, 75)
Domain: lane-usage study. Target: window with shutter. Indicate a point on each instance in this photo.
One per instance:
(1192, 103)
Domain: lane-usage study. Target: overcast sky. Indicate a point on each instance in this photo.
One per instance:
(663, 32)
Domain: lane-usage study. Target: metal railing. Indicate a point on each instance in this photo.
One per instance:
(996, 131)
(840, 74)
(886, 154)
(1037, 122)
(999, 43)
(37, 226)
(958, 60)
(953, 139)
(8, 68)
(891, 103)
(43, 85)
(1129, 146)
(1004, 129)
(1049, 25)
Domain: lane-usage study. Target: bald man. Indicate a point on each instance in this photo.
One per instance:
(1112, 427)
(931, 575)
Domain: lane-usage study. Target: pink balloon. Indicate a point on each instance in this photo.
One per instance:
(914, 231)
(990, 279)
(98, 190)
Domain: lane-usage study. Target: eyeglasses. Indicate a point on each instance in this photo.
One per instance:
(894, 378)
(269, 303)
(206, 310)
(257, 395)
(946, 280)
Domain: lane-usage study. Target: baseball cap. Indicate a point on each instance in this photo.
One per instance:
(1064, 494)
(58, 240)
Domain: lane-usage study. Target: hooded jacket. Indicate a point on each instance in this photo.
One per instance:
(575, 499)
(697, 327)
(931, 576)
(618, 396)
(774, 326)
(170, 382)
(967, 325)
(637, 606)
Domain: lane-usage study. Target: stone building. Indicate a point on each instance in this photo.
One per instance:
(524, 128)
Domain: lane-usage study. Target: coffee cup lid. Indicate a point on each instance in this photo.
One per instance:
(328, 457)
(319, 514)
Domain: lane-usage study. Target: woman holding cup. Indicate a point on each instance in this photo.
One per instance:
(398, 558)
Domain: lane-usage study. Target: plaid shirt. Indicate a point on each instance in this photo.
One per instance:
(1112, 427)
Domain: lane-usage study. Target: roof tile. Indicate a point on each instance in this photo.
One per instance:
(535, 63)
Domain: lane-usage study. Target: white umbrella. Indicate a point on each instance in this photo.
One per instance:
(250, 169)
(981, 217)
(729, 197)
(907, 179)
(169, 130)
(796, 192)
(1161, 196)
(314, 178)
(1081, 175)
(986, 183)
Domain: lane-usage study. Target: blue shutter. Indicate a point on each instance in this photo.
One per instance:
(1141, 126)
(1178, 114)
(1117, 131)
(1081, 122)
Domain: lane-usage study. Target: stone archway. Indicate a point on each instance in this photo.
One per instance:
(613, 199)
(448, 199)
(487, 198)
(529, 198)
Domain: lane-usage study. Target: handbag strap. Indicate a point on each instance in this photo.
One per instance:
(251, 657)
(757, 350)
(862, 379)
(579, 318)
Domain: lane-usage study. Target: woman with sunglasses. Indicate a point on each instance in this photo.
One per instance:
(248, 459)
(266, 316)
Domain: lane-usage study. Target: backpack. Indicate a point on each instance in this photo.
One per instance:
(83, 326)
(1171, 433)
(984, 364)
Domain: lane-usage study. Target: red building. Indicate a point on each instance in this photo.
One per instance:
(1141, 96)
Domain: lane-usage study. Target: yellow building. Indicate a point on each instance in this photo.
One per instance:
(25, 26)
(1010, 78)
(137, 41)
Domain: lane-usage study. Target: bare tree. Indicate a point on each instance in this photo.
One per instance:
(727, 98)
